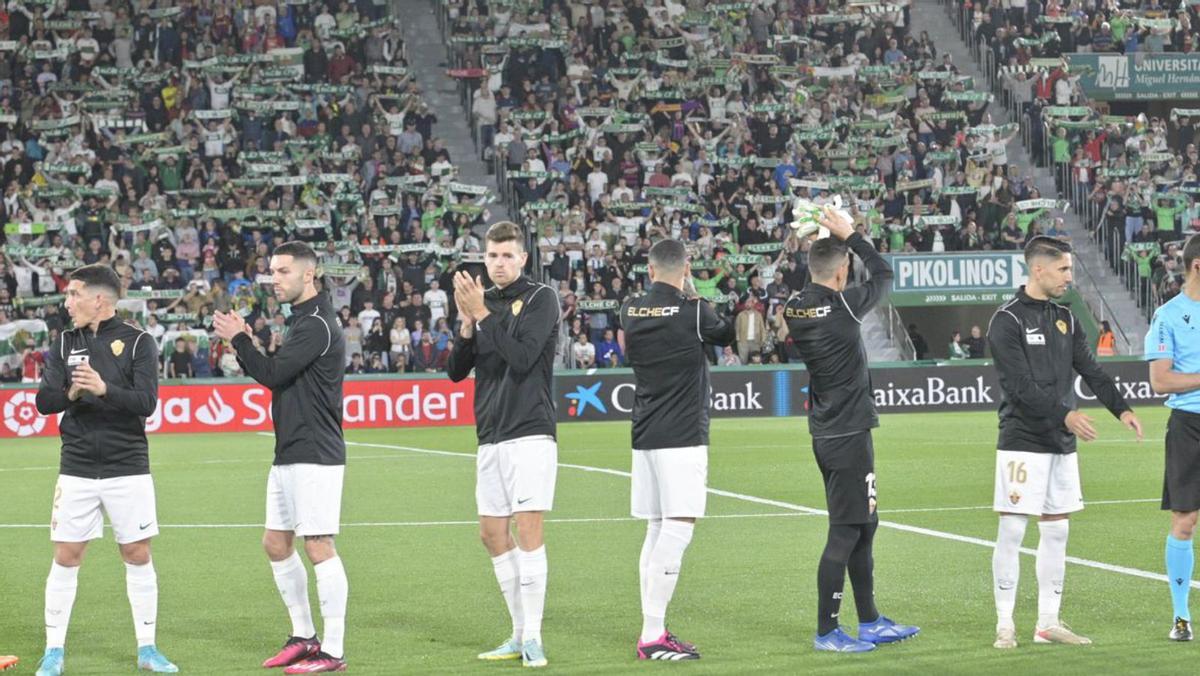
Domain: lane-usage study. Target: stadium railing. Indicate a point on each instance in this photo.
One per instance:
(897, 332)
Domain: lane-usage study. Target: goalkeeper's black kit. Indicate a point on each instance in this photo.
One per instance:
(825, 326)
(103, 437)
(665, 338)
(305, 378)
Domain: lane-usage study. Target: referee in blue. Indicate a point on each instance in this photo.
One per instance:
(1173, 350)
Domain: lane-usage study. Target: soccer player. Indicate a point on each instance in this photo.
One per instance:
(823, 320)
(1038, 346)
(508, 335)
(1173, 350)
(102, 375)
(665, 333)
(304, 486)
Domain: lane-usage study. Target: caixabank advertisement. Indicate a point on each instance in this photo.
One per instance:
(239, 405)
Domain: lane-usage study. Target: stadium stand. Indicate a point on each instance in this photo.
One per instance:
(179, 144)
(1130, 177)
(611, 125)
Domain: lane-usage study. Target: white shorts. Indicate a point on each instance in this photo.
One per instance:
(305, 499)
(1037, 483)
(516, 476)
(80, 505)
(669, 483)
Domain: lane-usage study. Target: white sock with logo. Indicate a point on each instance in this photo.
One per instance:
(1006, 567)
(534, 572)
(665, 562)
(291, 579)
(60, 598)
(509, 577)
(141, 585)
(653, 528)
(1051, 569)
(332, 591)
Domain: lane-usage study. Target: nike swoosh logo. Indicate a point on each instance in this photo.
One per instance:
(526, 584)
(670, 573)
(147, 623)
(521, 502)
(82, 349)
(1031, 330)
(145, 526)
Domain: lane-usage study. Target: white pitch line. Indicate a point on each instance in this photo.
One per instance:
(953, 537)
(405, 524)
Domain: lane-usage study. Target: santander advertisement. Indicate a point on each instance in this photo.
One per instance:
(247, 407)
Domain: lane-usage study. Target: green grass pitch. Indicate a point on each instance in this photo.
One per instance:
(423, 598)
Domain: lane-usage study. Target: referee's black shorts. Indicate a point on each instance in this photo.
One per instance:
(1181, 480)
(848, 467)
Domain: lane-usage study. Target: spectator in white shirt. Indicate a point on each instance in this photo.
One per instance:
(437, 300)
(584, 352)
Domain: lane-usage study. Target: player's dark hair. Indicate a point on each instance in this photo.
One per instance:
(826, 256)
(299, 251)
(1046, 247)
(1191, 252)
(669, 254)
(506, 231)
(98, 276)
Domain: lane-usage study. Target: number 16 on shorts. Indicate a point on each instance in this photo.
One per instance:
(1037, 483)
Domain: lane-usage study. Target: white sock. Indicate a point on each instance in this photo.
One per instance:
(291, 579)
(141, 585)
(653, 527)
(1006, 567)
(332, 591)
(60, 597)
(508, 575)
(665, 562)
(1051, 569)
(533, 569)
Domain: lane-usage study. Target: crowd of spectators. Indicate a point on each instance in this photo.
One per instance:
(613, 124)
(179, 142)
(1133, 178)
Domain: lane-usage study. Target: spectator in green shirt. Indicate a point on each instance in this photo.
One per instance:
(1061, 146)
(170, 172)
(706, 284)
(1166, 213)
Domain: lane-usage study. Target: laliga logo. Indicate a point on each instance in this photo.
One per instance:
(21, 416)
(215, 411)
